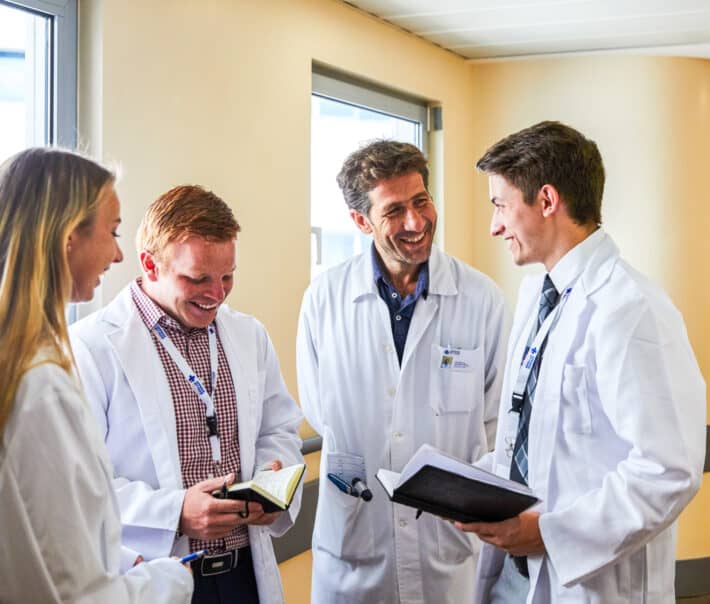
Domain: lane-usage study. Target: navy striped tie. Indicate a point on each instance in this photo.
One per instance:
(519, 465)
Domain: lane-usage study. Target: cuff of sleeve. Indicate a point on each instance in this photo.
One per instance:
(128, 558)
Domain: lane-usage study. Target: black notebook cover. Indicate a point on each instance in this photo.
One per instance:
(251, 495)
(452, 496)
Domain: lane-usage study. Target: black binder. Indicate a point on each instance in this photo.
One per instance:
(456, 495)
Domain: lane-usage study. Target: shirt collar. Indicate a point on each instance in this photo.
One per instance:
(571, 265)
(422, 288)
(153, 315)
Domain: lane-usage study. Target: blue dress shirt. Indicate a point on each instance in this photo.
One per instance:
(401, 310)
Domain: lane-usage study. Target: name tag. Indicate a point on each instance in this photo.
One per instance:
(456, 359)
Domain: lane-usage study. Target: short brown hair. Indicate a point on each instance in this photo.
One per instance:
(183, 212)
(375, 162)
(551, 153)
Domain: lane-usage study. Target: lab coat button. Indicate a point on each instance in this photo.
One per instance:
(397, 435)
(392, 391)
(402, 523)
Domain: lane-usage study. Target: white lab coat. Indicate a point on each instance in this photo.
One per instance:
(61, 531)
(130, 395)
(355, 395)
(617, 438)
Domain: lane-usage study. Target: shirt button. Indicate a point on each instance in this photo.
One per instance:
(402, 523)
(394, 294)
(392, 391)
(398, 317)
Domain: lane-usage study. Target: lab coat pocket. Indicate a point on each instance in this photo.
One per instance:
(453, 545)
(344, 525)
(575, 415)
(456, 379)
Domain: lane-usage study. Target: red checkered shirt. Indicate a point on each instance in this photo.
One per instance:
(196, 461)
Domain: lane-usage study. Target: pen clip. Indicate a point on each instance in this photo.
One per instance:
(340, 484)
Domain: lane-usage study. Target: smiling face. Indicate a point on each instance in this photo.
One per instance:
(402, 222)
(190, 279)
(92, 248)
(521, 225)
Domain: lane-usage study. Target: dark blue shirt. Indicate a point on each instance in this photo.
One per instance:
(401, 311)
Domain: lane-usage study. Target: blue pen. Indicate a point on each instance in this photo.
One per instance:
(193, 556)
(340, 483)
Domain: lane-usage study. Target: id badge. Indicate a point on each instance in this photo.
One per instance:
(456, 359)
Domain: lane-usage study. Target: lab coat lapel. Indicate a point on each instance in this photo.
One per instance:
(144, 372)
(362, 289)
(241, 354)
(441, 283)
(546, 406)
(424, 313)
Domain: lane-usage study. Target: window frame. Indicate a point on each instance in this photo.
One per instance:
(351, 91)
(62, 110)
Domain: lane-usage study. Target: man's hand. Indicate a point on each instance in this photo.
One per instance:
(275, 465)
(206, 517)
(263, 519)
(519, 536)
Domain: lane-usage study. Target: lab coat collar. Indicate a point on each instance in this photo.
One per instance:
(592, 260)
(441, 277)
(571, 265)
(600, 265)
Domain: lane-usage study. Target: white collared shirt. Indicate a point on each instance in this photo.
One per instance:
(571, 265)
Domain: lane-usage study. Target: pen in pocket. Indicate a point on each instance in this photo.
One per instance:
(340, 483)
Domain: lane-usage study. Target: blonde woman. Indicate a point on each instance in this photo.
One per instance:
(61, 529)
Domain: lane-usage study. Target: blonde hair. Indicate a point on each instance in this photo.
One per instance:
(44, 195)
(183, 212)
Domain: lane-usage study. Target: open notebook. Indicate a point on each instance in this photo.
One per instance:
(274, 490)
(435, 482)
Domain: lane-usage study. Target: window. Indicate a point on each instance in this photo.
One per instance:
(38, 64)
(344, 115)
(37, 74)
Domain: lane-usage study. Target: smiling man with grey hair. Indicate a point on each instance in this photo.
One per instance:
(373, 333)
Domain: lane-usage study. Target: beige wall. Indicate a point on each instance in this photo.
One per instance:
(217, 92)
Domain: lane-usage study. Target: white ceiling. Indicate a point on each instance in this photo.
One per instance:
(494, 29)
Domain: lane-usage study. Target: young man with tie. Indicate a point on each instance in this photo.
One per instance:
(603, 405)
